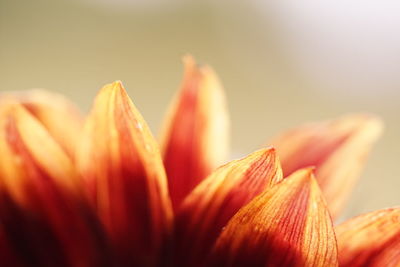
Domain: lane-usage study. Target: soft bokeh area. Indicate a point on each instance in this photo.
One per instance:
(282, 63)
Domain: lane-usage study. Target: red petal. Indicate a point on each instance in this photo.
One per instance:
(7, 255)
(214, 201)
(195, 136)
(122, 165)
(40, 201)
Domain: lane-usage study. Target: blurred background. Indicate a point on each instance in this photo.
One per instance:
(282, 63)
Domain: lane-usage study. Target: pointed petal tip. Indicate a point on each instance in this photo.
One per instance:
(268, 148)
(305, 178)
(368, 122)
(376, 124)
(191, 68)
(118, 84)
(262, 151)
(188, 59)
(115, 86)
(305, 174)
(272, 148)
(196, 68)
(291, 217)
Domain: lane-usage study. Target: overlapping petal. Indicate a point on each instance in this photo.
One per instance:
(337, 148)
(287, 225)
(372, 239)
(40, 200)
(208, 208)
(195, 135)
(122, 166)
(57, 114)
(100, 197)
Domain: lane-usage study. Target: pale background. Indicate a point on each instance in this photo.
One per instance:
(282, 63)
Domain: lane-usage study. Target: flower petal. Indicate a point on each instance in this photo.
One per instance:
(208, 208)
(287, 225)
(337, 149)
(122, 165)
(57, 114)
(28, 150)
(40, 201)
(372, 239)
(195, 136)
(7, 255)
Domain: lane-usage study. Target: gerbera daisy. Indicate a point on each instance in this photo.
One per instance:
(100, 192)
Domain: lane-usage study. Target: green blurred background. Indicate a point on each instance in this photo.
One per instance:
(282, 63)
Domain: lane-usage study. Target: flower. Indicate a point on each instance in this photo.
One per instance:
(100, 192)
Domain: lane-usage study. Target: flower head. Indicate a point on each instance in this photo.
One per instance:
(101, 191)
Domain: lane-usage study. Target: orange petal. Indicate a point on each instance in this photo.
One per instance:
(195, 135)
(121, 162)
(287, 225)
(40, 202)
(28, 151)
(338, 150)
(372, 239)
(208, 208)
(58, 115)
